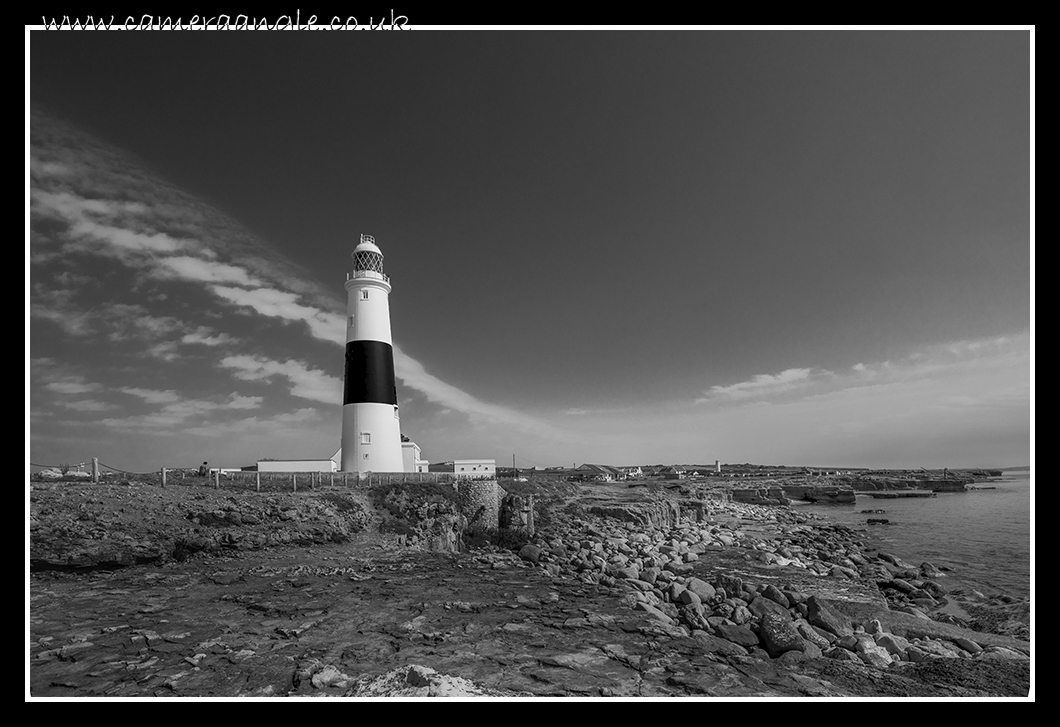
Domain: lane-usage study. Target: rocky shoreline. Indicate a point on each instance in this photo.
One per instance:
(737, 599)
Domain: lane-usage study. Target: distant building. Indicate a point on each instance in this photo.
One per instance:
(475, 468)
(410, 458)
(671, 473)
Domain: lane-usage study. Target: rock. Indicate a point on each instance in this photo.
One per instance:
(774, 594)
(934, 589)
(968, 645)
(678, 568)
(936, 648)
(807, 632)
(895, 645)
(690, 598)
(826, 635)
(916, 655)
(695, 617)
(730, 584)
(837, 652)
(930, 571)
(778, 634)
(654, 612)
(875, 656)
(839, 571)
(737, 634)
(530, 552)
(762, 606)
(741, 615)
(330, 676)
(847, 642)
(821, 614)
(701, 588)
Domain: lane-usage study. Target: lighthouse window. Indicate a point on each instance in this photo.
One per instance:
(349, 321)
(366, 437)
(364, 295)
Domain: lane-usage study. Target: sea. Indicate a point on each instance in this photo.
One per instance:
(984, 536)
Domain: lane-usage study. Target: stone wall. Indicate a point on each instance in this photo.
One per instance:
(481, 501)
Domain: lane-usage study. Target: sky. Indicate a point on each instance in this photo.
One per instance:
(610, 246)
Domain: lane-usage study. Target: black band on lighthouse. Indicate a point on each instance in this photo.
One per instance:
(369, 373)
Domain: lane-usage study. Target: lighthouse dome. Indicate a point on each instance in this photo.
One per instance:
(367, 245)
(367, 256)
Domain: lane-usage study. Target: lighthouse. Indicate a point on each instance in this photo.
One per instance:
(371, 429)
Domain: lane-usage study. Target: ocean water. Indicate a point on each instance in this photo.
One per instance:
(984, 536)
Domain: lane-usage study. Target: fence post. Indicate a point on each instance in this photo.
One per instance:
(163, 477)
(294, 482)
(95, 470)
(257, 482)
(217, 478)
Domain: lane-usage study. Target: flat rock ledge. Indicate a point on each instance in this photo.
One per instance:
(677, 599)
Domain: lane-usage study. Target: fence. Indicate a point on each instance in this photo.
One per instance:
(241, 479)
(272, 481)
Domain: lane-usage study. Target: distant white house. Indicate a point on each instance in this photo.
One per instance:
(475, 468)
(410, 458)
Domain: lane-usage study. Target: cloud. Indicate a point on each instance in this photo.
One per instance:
(305, 382)
(72, 385)
(929, 362)
(274, 303)
(87, 405)
(152, 396)
(415, 375)
(175, 411)
(763, 385)
(204, 336)
(77, 323)
(206, 271)
(245, 402)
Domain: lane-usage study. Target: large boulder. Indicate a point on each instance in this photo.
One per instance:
(779, 635)
(821, 614)
(762, 606)
(701, 588)
(737, 634)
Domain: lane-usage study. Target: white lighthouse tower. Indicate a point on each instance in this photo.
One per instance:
(371, 430)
